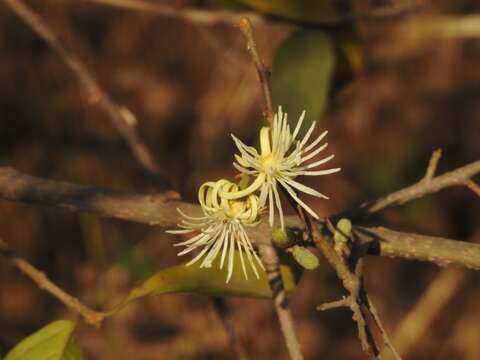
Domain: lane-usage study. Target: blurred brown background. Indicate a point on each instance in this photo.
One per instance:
(189, 87)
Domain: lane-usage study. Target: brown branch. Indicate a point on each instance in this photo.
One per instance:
(472, 185)
(263, 73)
(443, 252)
(271, 262)
(386, 339)
(115, 114)
(432, 165)
(198, 16)
(160, 210)
(267, 252)
(457, 177)
(219, 17)
(91, 316)
(352, 282)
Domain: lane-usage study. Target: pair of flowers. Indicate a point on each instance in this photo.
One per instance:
(228, 207)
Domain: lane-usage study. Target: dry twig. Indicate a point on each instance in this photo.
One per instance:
(267, 251)
(114, 113)
(457, 177)
(91, 316)
(262, 71)
(219, 17)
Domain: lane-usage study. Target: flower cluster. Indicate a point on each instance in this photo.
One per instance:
(221, 228)
(228, 208)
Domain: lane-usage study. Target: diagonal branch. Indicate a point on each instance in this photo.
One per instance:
(120, 118)
(262, 71)
(219, 17)
(457, 177)
(91, 316)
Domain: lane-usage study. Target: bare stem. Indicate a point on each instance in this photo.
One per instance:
(352, 282)
(115, 114)
(41, 280)
(271, 262)
(432, 165)
(263, 73)
(457, 177)
(219, 17)
(472, 185)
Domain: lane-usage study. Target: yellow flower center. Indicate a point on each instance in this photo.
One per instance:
(268, 164)
(236, 208)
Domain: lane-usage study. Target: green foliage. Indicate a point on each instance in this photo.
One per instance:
(280, 237)
(344, 228)
(305, 257)
(342, 233)
(211, 281)
(302, 73)
(53, 342)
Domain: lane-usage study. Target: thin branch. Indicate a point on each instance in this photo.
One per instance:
(219, 17)
(343, 302)
(432, 165)
(271, 262)
(263, 73)
(267, 252)
(440, 251)
(386, 339)
(224, 313)
(92, 317)
(472, 185)
(115, 114)
(457, 177)
(352, 283)
(193, 15)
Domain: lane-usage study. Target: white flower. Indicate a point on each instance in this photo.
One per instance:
(282, 158)
(221, 228)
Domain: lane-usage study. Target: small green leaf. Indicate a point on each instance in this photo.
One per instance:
(302, 73)
(342, 232)
(305, 257)
(280, 237)
(53, 342)
(211, 281)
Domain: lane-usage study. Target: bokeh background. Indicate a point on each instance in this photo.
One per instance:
(190, 86)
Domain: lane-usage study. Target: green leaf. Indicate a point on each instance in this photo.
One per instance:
(302, 73)
(310, 11)
(343, 231)
(211, 281)
(305, 257)
(53, 342)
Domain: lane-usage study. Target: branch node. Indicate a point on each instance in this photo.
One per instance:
(343, 302)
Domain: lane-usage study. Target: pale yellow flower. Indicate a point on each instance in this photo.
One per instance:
(281, 159)
(221, 228)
